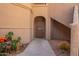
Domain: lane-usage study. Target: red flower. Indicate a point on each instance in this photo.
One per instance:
(3, 39)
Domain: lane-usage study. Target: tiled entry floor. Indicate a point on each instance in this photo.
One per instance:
(38, 47)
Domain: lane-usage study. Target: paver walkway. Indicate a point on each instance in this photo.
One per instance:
(38, 47)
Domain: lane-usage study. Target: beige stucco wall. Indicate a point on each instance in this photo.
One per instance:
(42, 11)
(59, 31)
(16, 19)
(27, 4)
(62, 12)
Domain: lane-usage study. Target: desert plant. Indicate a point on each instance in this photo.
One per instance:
(18, 39)
(9, 35)
(15, 42)
(64, 47)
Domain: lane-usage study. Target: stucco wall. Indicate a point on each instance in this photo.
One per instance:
(59, 31)
(16, 19)
(62, 12)
(42, 11)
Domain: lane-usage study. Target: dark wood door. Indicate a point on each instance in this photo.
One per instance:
(39, 28)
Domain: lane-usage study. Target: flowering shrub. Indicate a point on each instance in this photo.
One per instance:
(9, 44)
(3, 39)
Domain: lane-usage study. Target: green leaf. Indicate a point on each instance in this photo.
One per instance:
(10, 33)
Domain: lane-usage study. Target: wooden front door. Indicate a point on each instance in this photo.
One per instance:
(39, 27)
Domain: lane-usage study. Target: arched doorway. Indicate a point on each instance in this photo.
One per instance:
(39, 27)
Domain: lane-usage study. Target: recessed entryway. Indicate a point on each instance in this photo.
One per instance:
(59, 31)
(39, 27)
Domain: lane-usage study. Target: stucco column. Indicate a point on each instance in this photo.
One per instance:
(74, 40)
(75, 33)
(48, 27)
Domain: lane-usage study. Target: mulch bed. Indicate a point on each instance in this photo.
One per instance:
(14, 53)
(21, 50)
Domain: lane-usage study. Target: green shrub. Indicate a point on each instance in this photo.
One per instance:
(12, 44)
(9, 35)
(15, 42)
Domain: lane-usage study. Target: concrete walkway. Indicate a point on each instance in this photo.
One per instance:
(38, 47)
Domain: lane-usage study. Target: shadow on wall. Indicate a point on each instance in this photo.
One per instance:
(59, 31)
